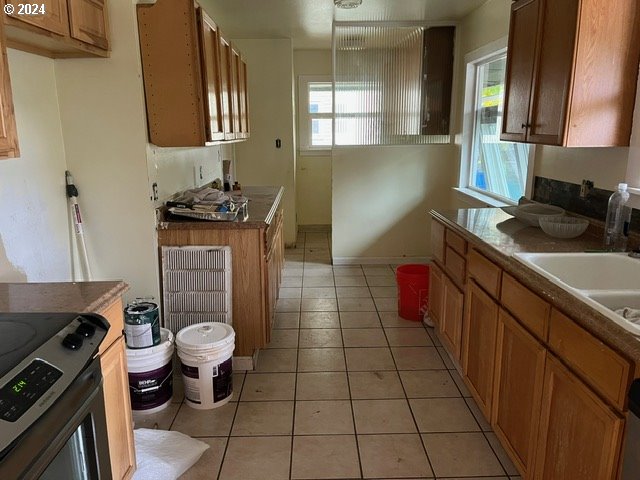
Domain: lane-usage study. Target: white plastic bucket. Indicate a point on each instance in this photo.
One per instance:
(151, 375)
(205, 351)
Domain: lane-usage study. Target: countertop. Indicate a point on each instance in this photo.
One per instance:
(263, 204)
(498, 236)
(80, 297)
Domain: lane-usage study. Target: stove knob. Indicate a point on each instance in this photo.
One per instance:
(86, 330)
(72, 341)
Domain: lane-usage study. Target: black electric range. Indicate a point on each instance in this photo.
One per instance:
(40, 356)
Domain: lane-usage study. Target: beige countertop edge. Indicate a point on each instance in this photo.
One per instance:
(590, 319)
(100, 304)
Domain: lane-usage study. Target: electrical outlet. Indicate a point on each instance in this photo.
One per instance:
(585, 188)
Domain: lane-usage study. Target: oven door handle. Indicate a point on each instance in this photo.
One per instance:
(30, 455)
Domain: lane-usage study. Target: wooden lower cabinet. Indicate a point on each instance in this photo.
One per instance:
(520, 361)
(580, 437)
(274, 265)
(117, 407)
(436, 294)
(479, 345)
(451, 322)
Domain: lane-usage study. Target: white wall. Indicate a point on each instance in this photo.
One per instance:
(271, 97)
(313, 181)
(34, 220)
(382, 197)
(104, 126)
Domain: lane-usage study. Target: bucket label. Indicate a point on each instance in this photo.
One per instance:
(191, 380)
(138, 336)
(151, 389)
(222, 380)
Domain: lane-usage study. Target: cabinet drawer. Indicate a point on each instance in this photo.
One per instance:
(606, 371)
(527, 307)
(114, 314)
(485, 272)
(456, 242)
(455, 265)
(272, 229)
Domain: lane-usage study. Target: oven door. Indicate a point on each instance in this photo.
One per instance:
(69, 441)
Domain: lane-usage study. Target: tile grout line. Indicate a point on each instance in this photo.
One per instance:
(233, 421)
(346, 373)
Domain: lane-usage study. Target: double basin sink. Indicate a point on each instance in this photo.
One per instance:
(606, 281)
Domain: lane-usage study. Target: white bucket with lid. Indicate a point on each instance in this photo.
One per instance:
(205, 351)
(151, 375)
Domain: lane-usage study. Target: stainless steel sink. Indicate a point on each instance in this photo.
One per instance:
(606, 281)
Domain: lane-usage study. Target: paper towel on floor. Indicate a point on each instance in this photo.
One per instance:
(163, 455)
(631, 314)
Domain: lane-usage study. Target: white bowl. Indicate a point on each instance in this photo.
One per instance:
(531, 213)
(563, 227)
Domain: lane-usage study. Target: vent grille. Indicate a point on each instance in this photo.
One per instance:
(196, 283)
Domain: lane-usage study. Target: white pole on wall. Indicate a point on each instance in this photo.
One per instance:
(72, 193)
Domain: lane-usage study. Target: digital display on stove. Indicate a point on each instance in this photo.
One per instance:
(19, 395)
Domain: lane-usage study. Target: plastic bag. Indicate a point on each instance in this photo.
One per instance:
(164, 455)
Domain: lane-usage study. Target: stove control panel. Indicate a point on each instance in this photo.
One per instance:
(25, 388)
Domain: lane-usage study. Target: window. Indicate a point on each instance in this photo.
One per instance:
(489, 166)
(315, 111)
(392, 83)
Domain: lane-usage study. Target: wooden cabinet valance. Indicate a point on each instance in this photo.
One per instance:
(195, 80)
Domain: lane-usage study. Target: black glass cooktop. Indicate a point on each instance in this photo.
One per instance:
(22, 333)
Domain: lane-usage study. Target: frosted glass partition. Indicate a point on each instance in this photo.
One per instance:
(383, 78)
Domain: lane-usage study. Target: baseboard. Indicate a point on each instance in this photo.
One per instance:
(314, 228)
(243, 363)
(379, 260)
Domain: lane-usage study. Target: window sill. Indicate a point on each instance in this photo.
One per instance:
(476, 198)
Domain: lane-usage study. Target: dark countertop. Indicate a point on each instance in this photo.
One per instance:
(263, 203)
(80, 297)
(498, 236)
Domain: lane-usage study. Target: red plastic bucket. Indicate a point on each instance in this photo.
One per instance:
(413, 291)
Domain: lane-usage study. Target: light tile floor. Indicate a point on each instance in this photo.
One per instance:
(345, 390)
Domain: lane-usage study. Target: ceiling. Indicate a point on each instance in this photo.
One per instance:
(308, 22)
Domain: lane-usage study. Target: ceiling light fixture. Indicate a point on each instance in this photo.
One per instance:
(347, 3)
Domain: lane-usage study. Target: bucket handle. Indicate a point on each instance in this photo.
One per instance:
(154, 388)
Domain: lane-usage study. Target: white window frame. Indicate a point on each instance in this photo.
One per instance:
(472, 60)
(305, 118)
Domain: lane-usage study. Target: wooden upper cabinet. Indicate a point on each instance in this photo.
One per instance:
(572, 69)
(67, 28)
(226, 69)
(243, 93)
(8, 132)
(210, 56)
(88, 21)
(54, 20)
(190, 75)
(579, 436)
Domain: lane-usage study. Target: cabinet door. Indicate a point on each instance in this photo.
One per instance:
(451, 321)
(520, 360)
(436, 294)
(479, 345)
(226, 76)
(88, 21)
(580, 437)
(210, 57)
(519, 70)
(243, 98)
(235, 91)
(8, 133)
(55, 18)
(553, 71)
(117, 408)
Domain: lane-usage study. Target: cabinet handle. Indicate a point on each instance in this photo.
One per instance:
(525, 125)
